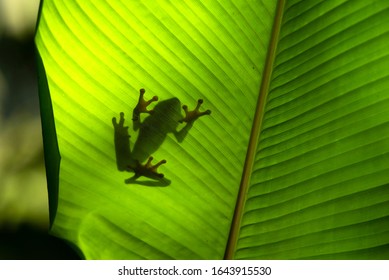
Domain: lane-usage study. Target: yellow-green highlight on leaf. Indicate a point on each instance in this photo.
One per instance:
(318, 188)
(97, 55)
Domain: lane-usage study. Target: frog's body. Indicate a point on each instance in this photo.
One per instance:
(163, 119)
(154, 129)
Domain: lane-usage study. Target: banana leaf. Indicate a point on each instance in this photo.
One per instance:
(285, 156)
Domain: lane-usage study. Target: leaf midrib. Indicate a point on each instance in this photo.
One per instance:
(255, 131)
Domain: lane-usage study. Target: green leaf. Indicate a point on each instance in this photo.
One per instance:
(297, 133)
(319, 185)
(97, 57)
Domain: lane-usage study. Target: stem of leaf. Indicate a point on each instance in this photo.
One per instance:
(254, 136)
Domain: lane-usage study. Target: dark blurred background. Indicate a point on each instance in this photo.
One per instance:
(24, 220)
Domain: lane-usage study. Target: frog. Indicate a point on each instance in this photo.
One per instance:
(163, 119)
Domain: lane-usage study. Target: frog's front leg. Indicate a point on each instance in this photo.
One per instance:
(189, 119)
(141, 107)
(146, 170)
(191, 116)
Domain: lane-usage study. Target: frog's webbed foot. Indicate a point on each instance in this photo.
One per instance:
(122, 143)
(191, 116)
(147, 170)
(119, 126)
(141, 107)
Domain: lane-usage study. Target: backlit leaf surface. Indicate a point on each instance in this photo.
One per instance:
(97, 55)
(318, 187)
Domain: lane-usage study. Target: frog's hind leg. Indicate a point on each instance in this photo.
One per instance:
(122, 143)
(132, 180)
(146, 170)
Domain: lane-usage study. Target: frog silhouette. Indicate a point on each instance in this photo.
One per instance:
(165, 118)
(153, 131)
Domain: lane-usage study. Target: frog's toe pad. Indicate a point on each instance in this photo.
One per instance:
(141, 107)
(148, 170)
(191, 116)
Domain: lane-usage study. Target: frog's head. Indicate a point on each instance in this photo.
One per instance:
(166, 115)
(169, 108)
